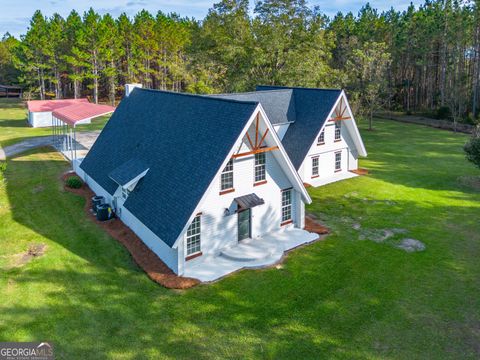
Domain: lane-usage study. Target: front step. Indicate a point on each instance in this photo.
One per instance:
(250, 250)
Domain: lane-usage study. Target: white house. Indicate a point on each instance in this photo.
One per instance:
(204, 182)
(316, 127)
(40, 111)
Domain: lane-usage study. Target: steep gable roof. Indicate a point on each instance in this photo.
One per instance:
(278, 104)
(312, 107)
(182, 139)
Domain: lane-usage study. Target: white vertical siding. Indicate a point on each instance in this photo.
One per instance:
(326, 154)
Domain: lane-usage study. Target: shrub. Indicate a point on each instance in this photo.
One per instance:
(472, 150)
(74, 182)
(444, 113)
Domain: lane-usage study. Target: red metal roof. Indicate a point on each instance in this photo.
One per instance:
(52, 105)
(82, 111)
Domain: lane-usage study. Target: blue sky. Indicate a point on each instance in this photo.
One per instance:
(15, 14)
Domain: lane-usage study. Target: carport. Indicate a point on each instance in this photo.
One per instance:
(65, 121)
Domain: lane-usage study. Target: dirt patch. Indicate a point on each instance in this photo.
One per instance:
(33, 251)
(379, 235)
(472, 182)
(411, 245)
(314, 226)
(155, 268)
(38, 189)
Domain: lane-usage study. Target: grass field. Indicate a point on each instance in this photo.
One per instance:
(342, 298)
(14, 127)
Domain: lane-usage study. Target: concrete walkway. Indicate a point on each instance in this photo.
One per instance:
(85, 141)
(25, 145)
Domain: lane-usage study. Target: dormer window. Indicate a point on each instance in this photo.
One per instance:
(226, 179)
(338, 130)
(321, 138)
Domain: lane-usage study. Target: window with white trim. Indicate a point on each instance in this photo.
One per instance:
(193, 236)
(338, 130)
(226, 180)
(315, 161)
(338, 161)
(260, 161)
(286, 205)
(321, 138)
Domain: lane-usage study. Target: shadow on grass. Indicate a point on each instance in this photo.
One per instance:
(423, 157)
(338, 298)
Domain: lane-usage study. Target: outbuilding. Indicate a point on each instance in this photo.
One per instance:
(40, 111)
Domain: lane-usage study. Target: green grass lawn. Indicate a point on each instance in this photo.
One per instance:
(341, 298)
(14, 126)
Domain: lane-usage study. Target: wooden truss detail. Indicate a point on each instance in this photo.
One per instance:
(340, 112)
(256, 147)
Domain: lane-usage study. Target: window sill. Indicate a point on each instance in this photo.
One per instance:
(315, 176)
(338, 170)
(319, 144)
(193, 256)
(260, 183)
(283, 223)
(339, 140)
(223, 192)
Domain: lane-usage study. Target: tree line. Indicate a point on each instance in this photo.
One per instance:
(424, 59)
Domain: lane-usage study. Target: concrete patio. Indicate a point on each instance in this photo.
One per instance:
(249, 253)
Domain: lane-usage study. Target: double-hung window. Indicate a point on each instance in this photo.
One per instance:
(193, 237)
(286, 205)
(226, 180)
(315, 161)
(321, 138)
(338, 130)
(260, 160)
(338, 161)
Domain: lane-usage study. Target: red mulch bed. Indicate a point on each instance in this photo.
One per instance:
(314, 226)
(142, 255)
(360, 171)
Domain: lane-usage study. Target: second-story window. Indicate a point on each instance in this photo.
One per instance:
(260, 173)
(226, 180)
(315, 166)
(338, 130)
(321, 138)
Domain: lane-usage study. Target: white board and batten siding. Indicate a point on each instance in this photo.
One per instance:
(219, 228)
(326, 156)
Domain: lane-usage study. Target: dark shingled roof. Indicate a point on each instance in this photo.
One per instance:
(128, 171)
(183, 139)
(312, 106)
(278, 104)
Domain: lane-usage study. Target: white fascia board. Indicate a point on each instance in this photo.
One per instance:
(362, 151)
(286, 165)
(234, 148)
(357, 139)
(135, 180)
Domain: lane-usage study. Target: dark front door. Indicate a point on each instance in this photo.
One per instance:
(244, 228)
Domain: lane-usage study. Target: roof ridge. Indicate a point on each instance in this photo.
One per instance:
(297, 88)
(199, 96)
(252, 92)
